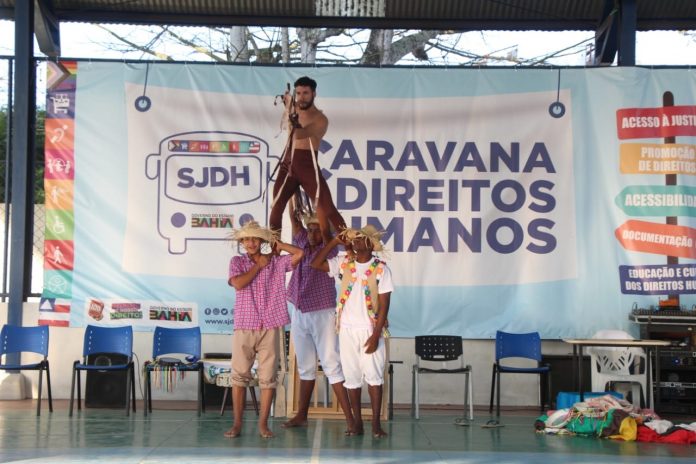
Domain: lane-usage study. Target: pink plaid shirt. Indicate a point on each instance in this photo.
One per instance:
(309, 289)
(263, 303)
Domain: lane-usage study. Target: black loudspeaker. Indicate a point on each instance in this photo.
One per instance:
(562, 374)
(106, 389)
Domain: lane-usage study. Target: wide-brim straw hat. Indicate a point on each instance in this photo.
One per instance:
(368, 231)
(252, 229)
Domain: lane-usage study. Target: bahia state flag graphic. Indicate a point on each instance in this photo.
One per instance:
(55, 312)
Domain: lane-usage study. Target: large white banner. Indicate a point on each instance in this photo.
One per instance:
(498, 190)
(449, 189)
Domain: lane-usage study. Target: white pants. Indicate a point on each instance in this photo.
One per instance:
(357, 365)
(314, 334)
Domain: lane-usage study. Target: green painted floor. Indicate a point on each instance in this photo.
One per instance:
(169, 436)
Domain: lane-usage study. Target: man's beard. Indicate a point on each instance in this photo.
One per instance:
(306, 105)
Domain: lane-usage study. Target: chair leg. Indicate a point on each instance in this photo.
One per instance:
(48, 386)
(467, 403)
(146, 399)
(490, 407)
(390, 414)
(253, 399)
(128, 392)
(413, 391)
(79, 390)
(542, 383)
(202, 383)
(637, 391)
(470, 387)
(497, 395)
(466, 394)
(133, 388)
(38, 406)
(200, 387)
(148, 386)
(417, 390)
(72, 391)
(224, 400)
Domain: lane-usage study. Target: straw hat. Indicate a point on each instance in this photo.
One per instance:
(310, 219)
(253, 229)
(370, 232)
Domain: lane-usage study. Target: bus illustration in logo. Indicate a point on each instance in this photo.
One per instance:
(208, 182)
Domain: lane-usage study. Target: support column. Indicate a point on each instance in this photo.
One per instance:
(22, 191)
(627, 34)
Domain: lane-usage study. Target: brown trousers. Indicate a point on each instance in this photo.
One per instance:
(290, 178)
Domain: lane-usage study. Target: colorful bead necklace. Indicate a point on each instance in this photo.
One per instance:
(366, 289)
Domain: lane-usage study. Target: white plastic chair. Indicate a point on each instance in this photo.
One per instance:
(618, 364)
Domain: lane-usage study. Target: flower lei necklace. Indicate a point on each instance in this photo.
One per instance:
(366, 289)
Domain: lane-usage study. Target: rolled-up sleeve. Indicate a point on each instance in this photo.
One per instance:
(235, 267)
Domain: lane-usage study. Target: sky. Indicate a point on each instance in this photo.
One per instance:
(81, 40)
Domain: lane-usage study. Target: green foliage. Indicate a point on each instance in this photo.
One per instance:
(38, 155)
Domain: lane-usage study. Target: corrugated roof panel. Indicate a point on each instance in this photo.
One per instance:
(495, 9)
(202, 7)
(434, 14)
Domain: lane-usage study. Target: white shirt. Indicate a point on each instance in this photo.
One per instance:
(354, 313)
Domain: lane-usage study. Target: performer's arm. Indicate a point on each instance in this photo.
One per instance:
(294, 219)
(297, 253)
(372, 342)
(319, 262)
(242, 280)
(316, 128)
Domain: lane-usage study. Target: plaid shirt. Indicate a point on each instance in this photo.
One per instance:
(309, 289)
(261, 304)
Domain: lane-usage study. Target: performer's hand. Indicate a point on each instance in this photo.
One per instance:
(295, 120)
(372, 343)
(343, 238)
(263, 261)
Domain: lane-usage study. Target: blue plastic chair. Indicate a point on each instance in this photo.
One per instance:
(105, 340)
(185, 342)
(14, 339)
(511, 345)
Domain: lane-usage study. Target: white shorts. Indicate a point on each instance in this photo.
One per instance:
(314, 333)
(357, 365)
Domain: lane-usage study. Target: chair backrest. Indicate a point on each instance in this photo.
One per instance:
(618, 360)
(184, 341)
(438, 347)
(15, 339)
(116, 340)
(517, 345)
(612, 334)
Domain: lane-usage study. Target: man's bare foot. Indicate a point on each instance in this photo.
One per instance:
(234, 432)
(358, 428)
(295, 422)
(265, 432)
(377, 432)
(350, 430)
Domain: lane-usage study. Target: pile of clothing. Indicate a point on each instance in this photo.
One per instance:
(610, 417)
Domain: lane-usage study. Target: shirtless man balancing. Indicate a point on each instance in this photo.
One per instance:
(299, 166)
